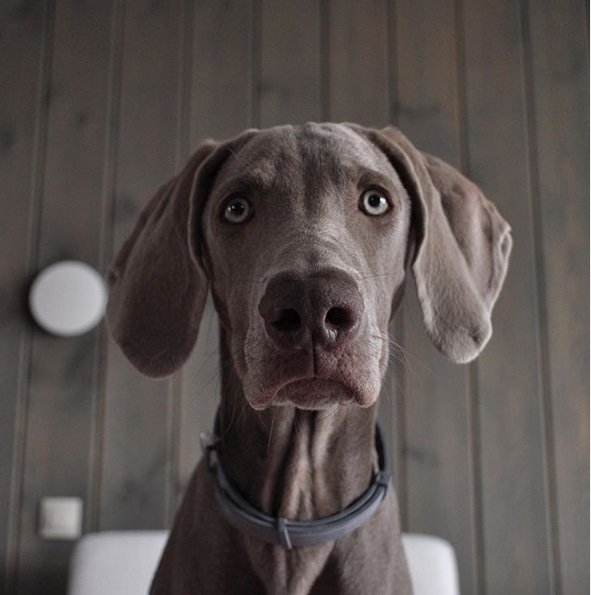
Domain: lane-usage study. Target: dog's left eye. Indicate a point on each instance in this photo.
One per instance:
(374, 203)
(237, 210)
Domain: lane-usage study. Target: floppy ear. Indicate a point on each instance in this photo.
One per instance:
(462, 248)
(157, 283)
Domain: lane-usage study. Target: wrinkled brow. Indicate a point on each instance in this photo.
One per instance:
(314, 172)
(246, 184)
(275, 178)
(370, 177)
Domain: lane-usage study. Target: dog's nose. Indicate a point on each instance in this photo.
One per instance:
(324, 309)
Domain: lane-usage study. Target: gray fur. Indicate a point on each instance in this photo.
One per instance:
(297, 420)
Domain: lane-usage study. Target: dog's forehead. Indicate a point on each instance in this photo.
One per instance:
(332, 153)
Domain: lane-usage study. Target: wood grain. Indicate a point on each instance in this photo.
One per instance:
(357, 62)
(290, 62)
(556, 48)
(438, 429)
(514, 490)
(135, 477)
(63, 372)
(23, 69)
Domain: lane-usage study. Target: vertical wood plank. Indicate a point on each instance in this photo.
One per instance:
(427, 103)
(290, 62)
(357, 62)
(63, 371)
(514, 497)
(221, 80)
(23, 66)
(135, 476)
(557, 49)
(438, 432)
(220, 107)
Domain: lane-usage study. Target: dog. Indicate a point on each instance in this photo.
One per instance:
(304, 235)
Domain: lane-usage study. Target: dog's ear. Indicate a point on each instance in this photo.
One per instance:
(462, 248)
(158, 286)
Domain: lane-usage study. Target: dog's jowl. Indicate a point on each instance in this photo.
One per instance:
(304, 235)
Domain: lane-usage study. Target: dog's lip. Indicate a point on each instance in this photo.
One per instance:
(315, 393)
(269, 396)
(315, 381)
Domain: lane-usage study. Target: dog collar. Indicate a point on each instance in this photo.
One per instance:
(289, 533)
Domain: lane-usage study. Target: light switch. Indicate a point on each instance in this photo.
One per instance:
(60, 518)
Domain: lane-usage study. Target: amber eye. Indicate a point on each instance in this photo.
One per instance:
(374, 203)
(237, 210)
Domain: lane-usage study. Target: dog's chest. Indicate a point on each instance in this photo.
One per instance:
(291, 572)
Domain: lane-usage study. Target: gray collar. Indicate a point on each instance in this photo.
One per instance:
(291, 533)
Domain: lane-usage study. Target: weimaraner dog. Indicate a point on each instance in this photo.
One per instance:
(303, 234)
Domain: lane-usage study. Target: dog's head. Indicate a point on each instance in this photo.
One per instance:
(304, 234)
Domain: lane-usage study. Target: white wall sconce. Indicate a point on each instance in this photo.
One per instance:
(68, 298)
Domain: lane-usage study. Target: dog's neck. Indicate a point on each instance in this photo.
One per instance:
(295, 463)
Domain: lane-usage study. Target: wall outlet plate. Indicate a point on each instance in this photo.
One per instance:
(60, 518)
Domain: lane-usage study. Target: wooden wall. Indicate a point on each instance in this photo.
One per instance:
(101, 101)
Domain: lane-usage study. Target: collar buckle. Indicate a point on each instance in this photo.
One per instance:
(283, 534)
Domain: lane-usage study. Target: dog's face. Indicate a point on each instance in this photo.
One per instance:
(306, 232)
(303, 233)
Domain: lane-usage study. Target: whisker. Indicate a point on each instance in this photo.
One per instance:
(373, 276)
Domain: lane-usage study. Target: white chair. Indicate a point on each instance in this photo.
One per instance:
(123, 563)
(432, 565)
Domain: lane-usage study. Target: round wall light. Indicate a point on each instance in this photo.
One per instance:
(68, 298)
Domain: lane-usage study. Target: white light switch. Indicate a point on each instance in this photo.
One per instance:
(60, 518)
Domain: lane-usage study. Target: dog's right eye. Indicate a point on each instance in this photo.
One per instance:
(237, 210)
(374, 203)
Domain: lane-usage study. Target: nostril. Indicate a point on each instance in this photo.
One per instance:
(287, 321)
(339, 318)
